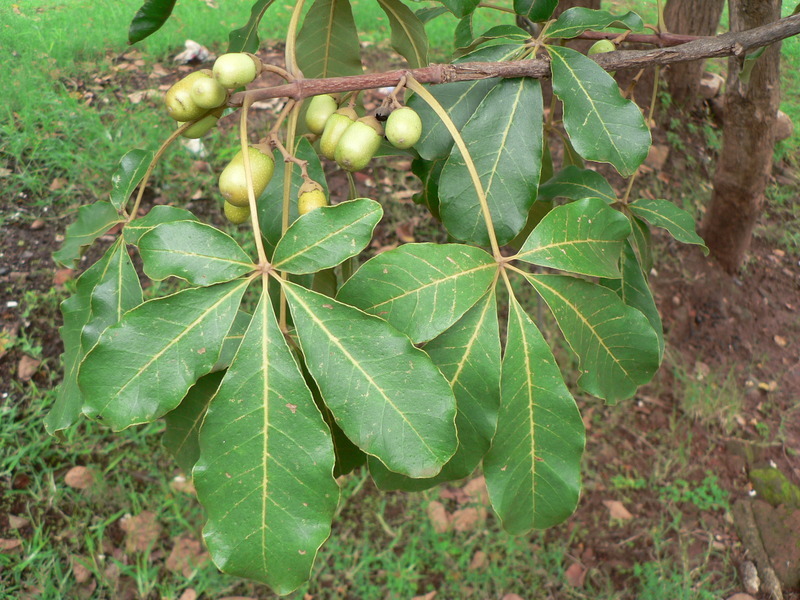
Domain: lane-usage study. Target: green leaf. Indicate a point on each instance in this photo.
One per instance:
(429, 13)
(583, 237)
(232, 340)
(533, 467)
(634, 291)
(536, 10)
(143, 366)
(408, 33)
(750, 62)
(459, 100)
(468, 355)
(245, 39)
(428, 172)
(327, 236)
(135, 229)
(642, 242)
(421, 289)
(460, 8)
(75, 311)
(462, 36)
(149, 19)
(115, 293)
(615, 344)
(183, 423)
(574, 21)
(327, 45)
(602, 125)
(504, 138)
(664, 214)
(198, 253)
(496, 34)
(386, 395)
(265, 471)
(270, 203)
(93, 221)
(130, 172)
(577, 184)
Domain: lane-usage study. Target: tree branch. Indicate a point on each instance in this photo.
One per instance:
(728, 44)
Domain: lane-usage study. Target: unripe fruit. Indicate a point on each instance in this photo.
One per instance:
(204, 125)
(310, 197)
(403, 128)
(178, 98)
(319, 110)
(336, 125)
(601, 47)
(236, 69)
(236, 214)
(207, 92)
(359, 144)
(232, 180)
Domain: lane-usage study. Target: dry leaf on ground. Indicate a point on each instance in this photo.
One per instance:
(466, 519)
(27, 367)
(575, 575)
(9, 544)
(438, 516)
(186, 556)
(617, 510)
(79, 478)
(141, 531)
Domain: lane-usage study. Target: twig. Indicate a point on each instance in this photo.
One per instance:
(728, 44)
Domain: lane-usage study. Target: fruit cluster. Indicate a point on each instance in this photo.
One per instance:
(200, 98)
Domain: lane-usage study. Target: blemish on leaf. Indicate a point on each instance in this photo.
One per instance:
(291, 407)
(201, 351)
(328, 306)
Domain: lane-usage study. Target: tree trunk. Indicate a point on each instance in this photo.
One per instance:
(692, 17)
(565, 4)
(747, 142)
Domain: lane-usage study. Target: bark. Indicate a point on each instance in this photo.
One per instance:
(693, 17)
(747, 142)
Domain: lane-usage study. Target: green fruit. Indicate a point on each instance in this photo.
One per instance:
(311, 200)
(236, 69)
(232, 180)
(236, 214)
(208, 93)
(204, 125)
(178, 98)
(319, 110)
(403, 128)
(336, 125)
(601, 47)
(359, 143)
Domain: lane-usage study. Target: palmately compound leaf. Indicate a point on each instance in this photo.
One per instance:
(408, 33)
(468, 355)
(143, 366)
(504, 139)
(131, 170)
(245, 39)
(270, 203)
(183, 423)
(327, 45)
(327, 236)
(93, 221)
(616, 346)
(459, 99)
(421, 289)
(198, 253)
(161, 213)
(574, 21)
(583, 237)
(663, 213)
(533, 467)
(265, 471)
(385, 394)
(602, 125)
(577, 184)
(634, 291)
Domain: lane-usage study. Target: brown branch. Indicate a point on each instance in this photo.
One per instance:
(728, 44)
(656, 39)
